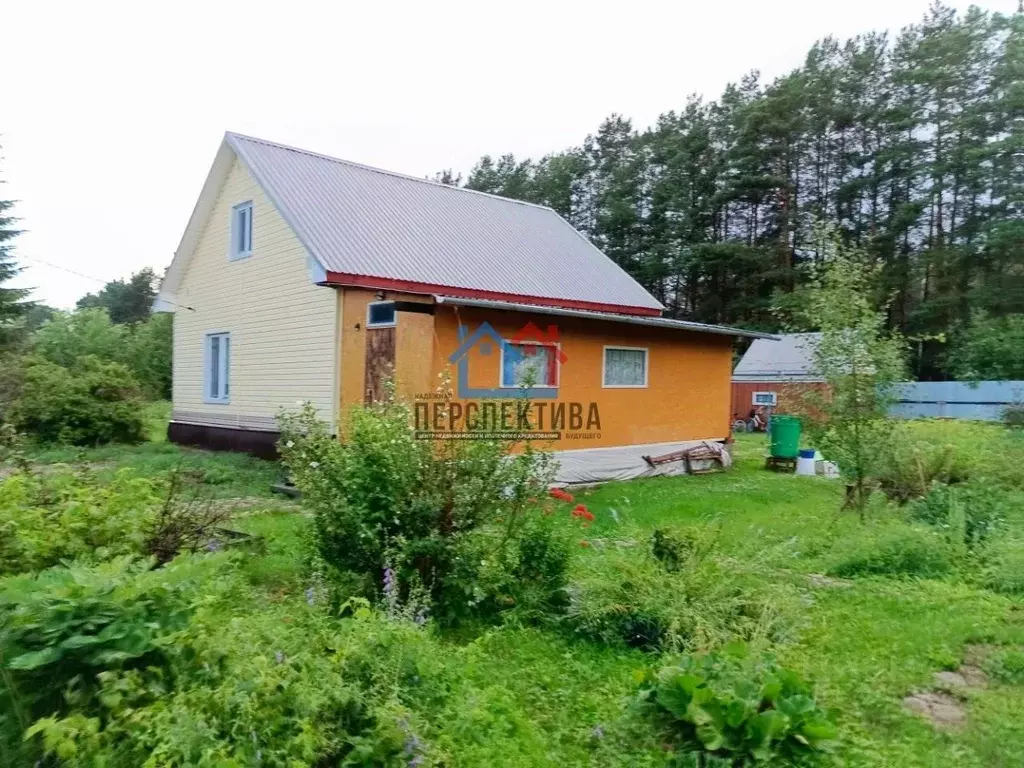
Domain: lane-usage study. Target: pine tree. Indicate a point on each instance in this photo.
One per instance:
(911, 149)
(12, 300)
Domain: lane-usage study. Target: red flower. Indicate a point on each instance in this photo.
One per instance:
(582, 511)
(558, 493)
(584, 543)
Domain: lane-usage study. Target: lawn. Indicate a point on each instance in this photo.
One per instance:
(521, 694)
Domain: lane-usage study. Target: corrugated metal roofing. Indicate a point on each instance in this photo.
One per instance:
(657, 322)
(364, 221)
(790, 358)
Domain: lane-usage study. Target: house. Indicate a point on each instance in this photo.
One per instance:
(772, 371)
(304, 277)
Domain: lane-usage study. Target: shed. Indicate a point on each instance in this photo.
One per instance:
(772, 371)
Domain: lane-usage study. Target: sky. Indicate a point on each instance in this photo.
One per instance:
(111, 113)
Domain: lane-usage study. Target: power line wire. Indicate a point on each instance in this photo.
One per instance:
(90, 277)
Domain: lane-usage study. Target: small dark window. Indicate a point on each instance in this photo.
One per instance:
(380, 314)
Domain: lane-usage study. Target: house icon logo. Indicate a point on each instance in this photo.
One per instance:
(530, 356)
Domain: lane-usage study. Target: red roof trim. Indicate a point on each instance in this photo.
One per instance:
(409, 286)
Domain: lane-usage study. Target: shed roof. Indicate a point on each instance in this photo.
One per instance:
(790, 358)
(375, 228)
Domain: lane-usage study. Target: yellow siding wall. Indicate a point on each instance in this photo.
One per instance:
(283, 327)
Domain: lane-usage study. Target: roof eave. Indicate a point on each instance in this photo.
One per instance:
(533, 302)
(635, 319)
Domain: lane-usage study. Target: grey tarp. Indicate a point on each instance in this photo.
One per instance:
(598, 465)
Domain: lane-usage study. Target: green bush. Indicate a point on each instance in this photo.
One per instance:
(622, 595)
(912, 467)
(893, 550)
(1013, 416)
(144, 347)
(1004, 566)
(68, 337)
(743, 709)
(454, 520)
(65, 515)
(96, 402)
(1006, 665)
(968, 513)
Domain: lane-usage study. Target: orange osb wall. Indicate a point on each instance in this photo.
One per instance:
(414, 346)
(687, 397)
(788, 395)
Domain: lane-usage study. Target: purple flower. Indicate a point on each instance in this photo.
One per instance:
(389, 581)
(311, 596)
(412, 744)
(420, 618)
(597, 732)
(214, 546)
(280, 658)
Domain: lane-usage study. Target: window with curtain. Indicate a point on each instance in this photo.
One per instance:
(526, 362)
(218, 368)
(625, 367)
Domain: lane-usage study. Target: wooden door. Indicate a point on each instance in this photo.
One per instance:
(380, 362)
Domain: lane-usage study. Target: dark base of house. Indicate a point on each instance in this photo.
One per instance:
(256, 442)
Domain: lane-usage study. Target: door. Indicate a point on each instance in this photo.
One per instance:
(380, 362)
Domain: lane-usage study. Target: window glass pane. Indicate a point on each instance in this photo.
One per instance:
(381, 314)
(214, 366)
(533, 363)
(241, 230)
(226, 375)
(625, 367)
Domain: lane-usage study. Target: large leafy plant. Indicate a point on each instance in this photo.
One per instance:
(742, 709)
(63, 631)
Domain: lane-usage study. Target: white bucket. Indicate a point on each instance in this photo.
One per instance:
(805, 466)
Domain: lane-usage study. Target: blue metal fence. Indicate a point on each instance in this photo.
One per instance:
(984, 401)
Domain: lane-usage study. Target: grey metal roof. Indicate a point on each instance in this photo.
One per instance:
(657, 322)
(364, 221)
(790, 358)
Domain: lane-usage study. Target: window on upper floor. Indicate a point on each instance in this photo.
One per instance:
(625, 367)
(241, 230)
(217, 368)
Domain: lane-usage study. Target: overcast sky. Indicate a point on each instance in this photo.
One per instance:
(110, 114)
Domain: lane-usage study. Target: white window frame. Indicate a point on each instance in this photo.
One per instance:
(772, 404)
(392, 324)
(223, 368)
(558, 363)
(604, 367)
(239, 249)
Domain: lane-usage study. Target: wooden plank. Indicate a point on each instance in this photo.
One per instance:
(380, 362)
